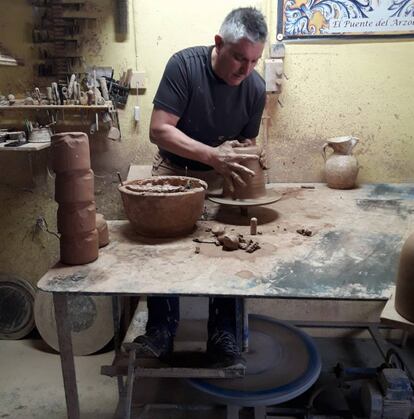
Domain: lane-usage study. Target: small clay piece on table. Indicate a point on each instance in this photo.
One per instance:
(218, 230)
(253, 226)
(229, 241)
(252, 247)
(304, 232)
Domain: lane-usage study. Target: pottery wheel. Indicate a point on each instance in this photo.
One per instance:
(282, 363)
(90, 320)
(263, 200)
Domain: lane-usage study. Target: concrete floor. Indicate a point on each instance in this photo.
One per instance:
(31, 381)
(31, 385)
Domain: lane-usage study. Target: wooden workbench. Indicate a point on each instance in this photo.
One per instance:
(352, 253)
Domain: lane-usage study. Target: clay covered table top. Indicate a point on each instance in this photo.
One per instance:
(352, 252)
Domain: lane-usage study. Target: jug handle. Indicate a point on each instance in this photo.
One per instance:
(324, 150)
(354, 142)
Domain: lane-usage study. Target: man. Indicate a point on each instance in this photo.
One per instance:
(209, 100)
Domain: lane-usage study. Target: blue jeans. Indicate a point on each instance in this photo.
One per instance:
(165, 312)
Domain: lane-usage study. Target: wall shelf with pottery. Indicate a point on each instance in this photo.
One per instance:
(105, 107)
(24, 146)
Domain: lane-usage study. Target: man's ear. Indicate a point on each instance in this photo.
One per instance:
(218, 40)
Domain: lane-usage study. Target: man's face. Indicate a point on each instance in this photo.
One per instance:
(235, 61)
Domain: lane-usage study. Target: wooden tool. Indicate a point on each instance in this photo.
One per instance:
(71, 85)
(120, 179)
(104, 88)
(113, 133)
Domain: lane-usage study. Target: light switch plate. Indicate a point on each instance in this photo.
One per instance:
(139, 78)
(277, 50)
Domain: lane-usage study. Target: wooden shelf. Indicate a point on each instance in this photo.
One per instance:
(24, 147)
(63, 107)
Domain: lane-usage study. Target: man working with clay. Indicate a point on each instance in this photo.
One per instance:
(210, 99)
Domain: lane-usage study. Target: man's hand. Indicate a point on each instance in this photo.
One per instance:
(230, 164)
(262, 157)
(262, 160)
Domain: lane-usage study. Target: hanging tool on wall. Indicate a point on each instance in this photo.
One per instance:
(95, 94)
(113, 132)
(121, 17)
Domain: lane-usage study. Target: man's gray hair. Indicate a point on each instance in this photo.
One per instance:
(244, 22)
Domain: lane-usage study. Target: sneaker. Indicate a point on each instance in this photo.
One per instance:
(223, 350)
(156, 342)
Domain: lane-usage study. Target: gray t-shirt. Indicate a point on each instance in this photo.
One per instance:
(210, 110)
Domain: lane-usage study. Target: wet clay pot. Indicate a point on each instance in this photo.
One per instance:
(76, 218)
(163, 206)
(341, 167)
(404, 294)
(102, 227)
(79, 249)
(255, 185)
(72, 187)
(70, 151)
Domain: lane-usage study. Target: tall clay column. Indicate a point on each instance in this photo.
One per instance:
(74, 192)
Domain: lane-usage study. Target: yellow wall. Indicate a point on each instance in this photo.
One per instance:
(359, 88)
(332, 89)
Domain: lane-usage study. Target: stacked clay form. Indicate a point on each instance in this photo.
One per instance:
(74, 192)
(255, 185)
(404, 293)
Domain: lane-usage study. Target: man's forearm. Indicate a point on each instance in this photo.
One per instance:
(171, 139)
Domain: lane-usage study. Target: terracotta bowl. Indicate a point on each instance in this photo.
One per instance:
(163, 206)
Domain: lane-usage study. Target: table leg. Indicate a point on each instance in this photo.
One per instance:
(242, 324)
(66, 355)
(116, 313)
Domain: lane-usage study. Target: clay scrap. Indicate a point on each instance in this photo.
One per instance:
(229, 241)
(304, 232)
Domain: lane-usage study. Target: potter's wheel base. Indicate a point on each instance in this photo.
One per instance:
(282, 363)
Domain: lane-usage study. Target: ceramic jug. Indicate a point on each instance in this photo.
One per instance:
(341, 167)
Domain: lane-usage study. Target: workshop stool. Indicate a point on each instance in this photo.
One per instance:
(158, 370)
